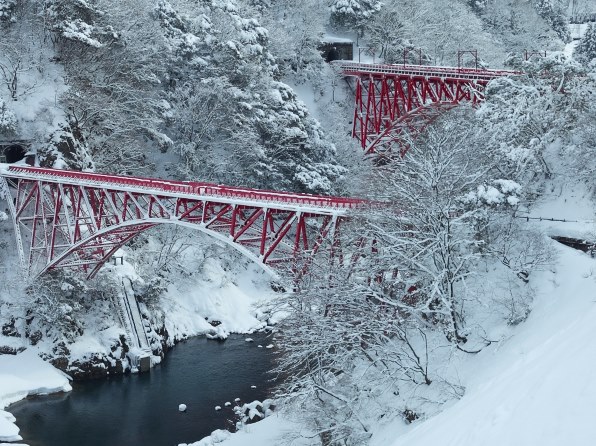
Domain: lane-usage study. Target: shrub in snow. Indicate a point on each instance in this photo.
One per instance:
(410, 416)
(500, 192)
(6, 10)
(255, 411)
(8, 121)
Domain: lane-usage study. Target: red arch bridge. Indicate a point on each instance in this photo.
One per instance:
(77, 219)
(394, 99)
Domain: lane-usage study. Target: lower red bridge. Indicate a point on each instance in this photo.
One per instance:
(78, 219)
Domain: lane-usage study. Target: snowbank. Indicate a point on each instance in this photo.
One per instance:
(272, 430)
(22, 375)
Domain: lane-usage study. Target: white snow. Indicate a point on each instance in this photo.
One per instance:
(22, 375)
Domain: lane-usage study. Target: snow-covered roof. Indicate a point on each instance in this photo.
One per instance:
(327, 38)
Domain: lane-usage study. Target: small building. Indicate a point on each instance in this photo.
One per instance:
(336, 48)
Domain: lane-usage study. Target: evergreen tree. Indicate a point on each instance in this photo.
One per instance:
(586, 49)
(8, 121)
(353, 13)
(554, 16)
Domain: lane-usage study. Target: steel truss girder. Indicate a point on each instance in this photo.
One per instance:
(83, 225)
(388, 104)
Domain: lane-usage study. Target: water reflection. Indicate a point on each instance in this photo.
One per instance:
(143, 409)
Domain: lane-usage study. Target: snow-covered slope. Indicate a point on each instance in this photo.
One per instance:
(538, 387)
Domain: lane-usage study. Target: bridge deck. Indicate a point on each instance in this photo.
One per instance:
(358, 69)
(236, 195)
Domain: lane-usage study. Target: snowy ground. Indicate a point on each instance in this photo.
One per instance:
(537, 388)
(22, 375)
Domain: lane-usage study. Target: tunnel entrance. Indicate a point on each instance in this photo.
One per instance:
(13, 153)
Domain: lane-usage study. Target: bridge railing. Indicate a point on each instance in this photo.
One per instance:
(182, 187)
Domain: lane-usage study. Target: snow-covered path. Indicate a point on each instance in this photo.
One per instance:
(539, 387)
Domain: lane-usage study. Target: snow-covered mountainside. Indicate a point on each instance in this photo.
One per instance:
(457, 317)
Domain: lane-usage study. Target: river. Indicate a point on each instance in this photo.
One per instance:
(143, 409)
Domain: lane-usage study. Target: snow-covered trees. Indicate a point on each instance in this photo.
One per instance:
(6, 9)
(66, 148)
(295, 32)
(8, 121)
(76, 20)
(525, 117)
(553, 13)
(18, 66)
(353, 13)
(385, 31)
(376, 326)
(586, 49)
(115, 77)
(233, 120)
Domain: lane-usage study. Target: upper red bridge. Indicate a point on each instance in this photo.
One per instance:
(78, 219)
(393, 99)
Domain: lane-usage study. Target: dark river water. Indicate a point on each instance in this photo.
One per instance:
(143, 409)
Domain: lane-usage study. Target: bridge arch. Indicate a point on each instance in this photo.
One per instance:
(396, 133)
(138, 227)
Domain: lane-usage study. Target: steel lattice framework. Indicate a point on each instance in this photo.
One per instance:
(393, 99)
(76, 219)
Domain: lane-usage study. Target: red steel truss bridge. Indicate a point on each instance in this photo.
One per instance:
(395, 99)
(77, 219)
